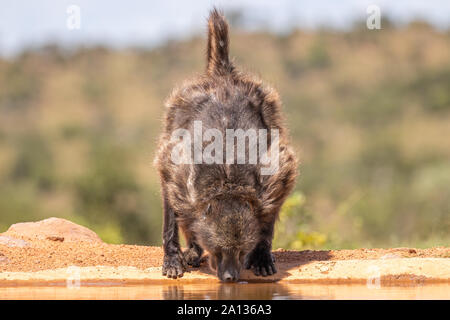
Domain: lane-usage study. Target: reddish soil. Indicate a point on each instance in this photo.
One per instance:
(36, 253)
(57, 243)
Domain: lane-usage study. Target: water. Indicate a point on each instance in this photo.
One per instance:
(264, 291)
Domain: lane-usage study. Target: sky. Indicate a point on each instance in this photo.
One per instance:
(32, 23)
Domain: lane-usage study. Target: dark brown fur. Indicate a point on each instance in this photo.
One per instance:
(227, 209)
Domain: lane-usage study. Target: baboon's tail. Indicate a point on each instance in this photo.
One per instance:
(218, 60)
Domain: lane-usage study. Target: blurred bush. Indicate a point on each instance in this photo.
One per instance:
(292, 230)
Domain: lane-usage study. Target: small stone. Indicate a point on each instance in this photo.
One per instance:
(55, 238)
(13, 242)
(324, 269)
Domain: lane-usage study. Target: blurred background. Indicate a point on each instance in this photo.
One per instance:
(368, 110)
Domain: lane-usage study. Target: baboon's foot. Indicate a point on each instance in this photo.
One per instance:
(174, 265)
(261, 261)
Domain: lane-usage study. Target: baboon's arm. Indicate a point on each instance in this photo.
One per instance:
(174, 263)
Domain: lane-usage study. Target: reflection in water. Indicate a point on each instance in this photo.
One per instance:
(228, 291)
(262, 291)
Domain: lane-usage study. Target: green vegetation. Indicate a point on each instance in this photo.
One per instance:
(369, 114)
(292, 229)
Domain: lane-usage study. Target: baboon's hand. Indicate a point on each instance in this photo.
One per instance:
(261, 261)
(192, 257)
(174, 265)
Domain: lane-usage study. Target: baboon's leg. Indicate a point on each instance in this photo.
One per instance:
(194, 251)
(260, 259)
(174, 264)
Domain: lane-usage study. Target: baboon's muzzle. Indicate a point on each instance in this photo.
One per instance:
(229, 275)
(229, 267)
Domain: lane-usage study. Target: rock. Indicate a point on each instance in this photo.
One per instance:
(52, 229)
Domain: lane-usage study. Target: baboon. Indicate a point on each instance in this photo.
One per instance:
(227, 209)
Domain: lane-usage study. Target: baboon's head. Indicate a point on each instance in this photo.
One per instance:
(228, 230)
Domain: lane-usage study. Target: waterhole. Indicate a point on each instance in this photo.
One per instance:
(263, 291)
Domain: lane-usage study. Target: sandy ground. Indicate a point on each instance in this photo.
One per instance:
(52, 251)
